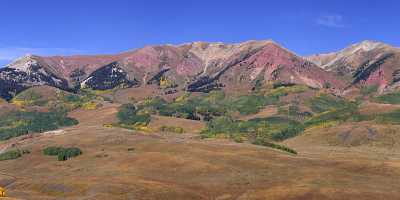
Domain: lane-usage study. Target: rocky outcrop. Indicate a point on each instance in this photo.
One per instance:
(364, 64)
(25, 73)
(109, 77)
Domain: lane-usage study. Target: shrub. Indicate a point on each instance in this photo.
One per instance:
(219, 125)
(238, 138)
(52, 151)
(62, 154)
(251, 104)
(91, 105)
(20, 123)
(68, 153)
(293, 112)
(127, 114)
(274, 128)
(153, 104)
(326, 102)
(171, 129)
(10, 155)
(343, 112)
(284, 90)
(368, 90)
(29, 98)
(390, 98)
(214, 104)
(390, 117)
(266, 143)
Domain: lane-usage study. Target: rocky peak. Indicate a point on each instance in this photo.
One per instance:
(351, 56)
(24, 63)
(367, 45)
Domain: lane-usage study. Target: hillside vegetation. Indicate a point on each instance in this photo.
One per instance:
(22, 122)
(222, 113)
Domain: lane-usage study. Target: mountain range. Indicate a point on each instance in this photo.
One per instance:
(203, 66)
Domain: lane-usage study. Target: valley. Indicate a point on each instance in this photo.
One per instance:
(203, 121)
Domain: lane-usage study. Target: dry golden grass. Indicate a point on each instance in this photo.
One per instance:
(368, 108)
(189, 126)
(268, 111)
(178, 167)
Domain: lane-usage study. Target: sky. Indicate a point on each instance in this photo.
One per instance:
(67, 27)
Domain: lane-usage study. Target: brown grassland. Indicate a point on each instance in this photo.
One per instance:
(333, 163)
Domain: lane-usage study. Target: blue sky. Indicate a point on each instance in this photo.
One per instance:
(49, 27)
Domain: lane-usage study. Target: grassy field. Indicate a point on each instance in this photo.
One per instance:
(124, 164)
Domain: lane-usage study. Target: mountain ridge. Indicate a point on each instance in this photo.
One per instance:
(194, 67)
(367, 63)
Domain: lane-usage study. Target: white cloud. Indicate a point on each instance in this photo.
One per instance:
(334, 21)
(11, 53)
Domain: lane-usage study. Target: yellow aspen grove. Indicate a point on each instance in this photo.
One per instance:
(2, 192)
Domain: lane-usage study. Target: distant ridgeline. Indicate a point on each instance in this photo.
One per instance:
(193, 67)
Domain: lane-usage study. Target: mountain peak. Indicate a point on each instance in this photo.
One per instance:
(24, 63)
(367, 45)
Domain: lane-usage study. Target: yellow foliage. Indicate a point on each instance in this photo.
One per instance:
(288, 90)
(142, 127)
(324, 125)
(100, 92)
(222, 136)
(324, 113)
(108, 125)
(182, 98)
(165, 83)
(147, 100)
(2, 192)
(91, 105)
(19, 103)
(173, 129)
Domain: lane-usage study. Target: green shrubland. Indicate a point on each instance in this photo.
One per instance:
(326, 102)
(128, 114)
(207, 106)
(273, 128)
(263, 142)
(388, 118)
(13, 154)
(10, 155)
(222, 113)
(19, 123)
(62, 153)
(331, 110)
(60, 100)
(172, 129)
(389, 98)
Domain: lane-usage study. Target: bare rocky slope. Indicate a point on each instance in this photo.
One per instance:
(195, 67)
(367, 63)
